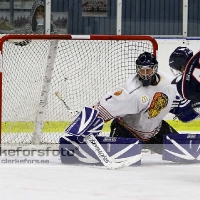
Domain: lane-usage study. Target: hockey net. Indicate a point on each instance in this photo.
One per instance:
(80, 68)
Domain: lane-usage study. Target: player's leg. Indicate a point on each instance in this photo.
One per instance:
(156, 143)
(117, 130)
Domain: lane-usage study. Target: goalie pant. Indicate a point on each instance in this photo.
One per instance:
(154, 144)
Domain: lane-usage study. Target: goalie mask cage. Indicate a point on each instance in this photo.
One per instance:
(80, 68)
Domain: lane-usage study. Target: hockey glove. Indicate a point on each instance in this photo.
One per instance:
(86, 123)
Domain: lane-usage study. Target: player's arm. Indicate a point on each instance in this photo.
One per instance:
(120, 103)
(188, 90)
(189, 86)
(185, 110)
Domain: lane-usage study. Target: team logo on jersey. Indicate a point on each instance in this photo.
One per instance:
(144, 98)
(117, 93)
(158, 103)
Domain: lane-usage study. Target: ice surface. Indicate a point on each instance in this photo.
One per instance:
(153, 180)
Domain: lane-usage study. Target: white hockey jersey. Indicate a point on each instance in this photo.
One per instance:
(140, 109)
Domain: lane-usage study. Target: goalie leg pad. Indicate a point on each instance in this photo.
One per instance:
(181, 148)
(119, 149)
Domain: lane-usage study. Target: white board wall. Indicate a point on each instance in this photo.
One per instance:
(167, 46)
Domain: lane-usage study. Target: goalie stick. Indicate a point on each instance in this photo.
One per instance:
(93, 143)
(74, 113)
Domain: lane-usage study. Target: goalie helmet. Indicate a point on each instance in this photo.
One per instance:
(146, 67)
(179, 59)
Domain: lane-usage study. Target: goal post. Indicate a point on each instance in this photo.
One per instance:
(80, 67)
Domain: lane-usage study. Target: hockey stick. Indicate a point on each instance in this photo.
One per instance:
(74, 113)
(93, 143)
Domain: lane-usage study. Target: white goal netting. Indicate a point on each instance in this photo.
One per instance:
(81, 70)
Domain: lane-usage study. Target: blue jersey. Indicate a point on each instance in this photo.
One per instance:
(189, 85)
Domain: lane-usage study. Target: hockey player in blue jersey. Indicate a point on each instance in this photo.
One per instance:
(188, 84)
(187, 69)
